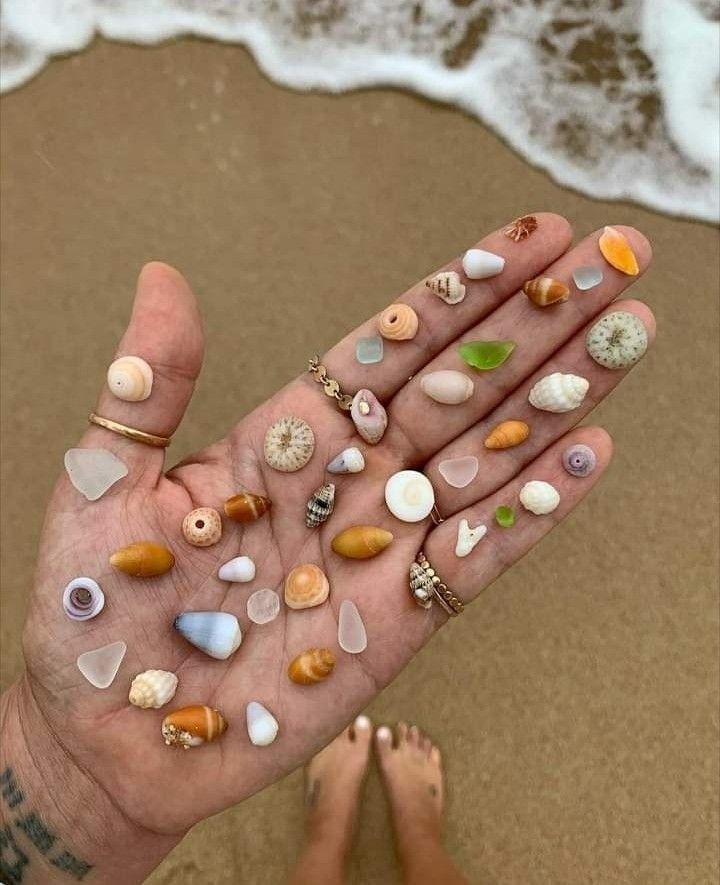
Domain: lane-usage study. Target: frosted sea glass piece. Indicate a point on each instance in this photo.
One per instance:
(352, 637)
(263, 606)
(100, 666)
(587, 277)
(369, 350)
(459, 472)
(93, 471)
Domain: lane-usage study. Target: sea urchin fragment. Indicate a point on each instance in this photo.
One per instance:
(617, 341)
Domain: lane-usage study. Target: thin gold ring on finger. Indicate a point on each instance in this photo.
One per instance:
(148, 439)
(427, 587)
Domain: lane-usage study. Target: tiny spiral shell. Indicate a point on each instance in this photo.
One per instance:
(544, 291)
(193, 726)
(153, 689)
(312, 666)
(421, 586)
(399, 322)
(130, 378)
(320, 506)
(559, 392)
(448, 286)
(507, 434)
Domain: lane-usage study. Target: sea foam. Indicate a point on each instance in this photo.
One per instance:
(616, 98)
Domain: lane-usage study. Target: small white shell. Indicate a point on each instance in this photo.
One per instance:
(479, 264)
(447, 285)
(153, 689)
(467, 538)
(409, 495)
(447, 386)
(348, 461)
(130, 378)
(559, 392)
(539, 497)
(239, 570)
(262, 726)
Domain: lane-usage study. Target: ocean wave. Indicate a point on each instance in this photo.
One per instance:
(616, 98)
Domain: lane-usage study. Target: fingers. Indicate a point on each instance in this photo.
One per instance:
(537, 332)
(441, 323)
(165, 330)
(501, 547)
(496, 467)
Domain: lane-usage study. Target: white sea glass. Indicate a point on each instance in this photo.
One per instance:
(587, 277)
(369, 350)
(100, 666)
(263, 606)
(93, 471)
(459, 472)
(352, 637)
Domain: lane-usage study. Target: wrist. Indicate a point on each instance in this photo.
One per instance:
(57, 824)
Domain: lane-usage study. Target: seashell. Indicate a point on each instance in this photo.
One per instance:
(369, 351)
(289, 444)
(409, 495)
(587, 277)
(263, 606)
(262, 726)
(447, 386)
(459, 472)
(352, 636)
(153, 689)
(467, 538)
(246, 507)
(579, 460)
(202, 527)
(539, 497)
(616, 250)
(507, 434)
(558, 392)
(130, 378)
(448, 286)
(306, 586)
(617, 341)
(505, 516)
(479, 264)
(144, 559)
(239, 570)
(545, 290)
(93, 471)
(320, 505)
(312, 666)
(421, 586)
(100, 666)
(369, 416)
(193, 726)
(348, 461)
(399, 322)
(216, 633)
(83, 599)
(361, 541)
(521, 228)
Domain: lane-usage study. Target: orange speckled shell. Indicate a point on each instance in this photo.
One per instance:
(507, 434)
(545, 290)
(191, 726)
(312, 666)
(246, 507)
(399, 322)
(306, 586)
(361, 541)
(144, 559)
(617, 252)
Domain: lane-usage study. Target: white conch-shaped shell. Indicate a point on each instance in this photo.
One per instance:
(467, 538)
(348, 461)
(130, 378)
(409, 495)
(447, 386)
(539, 497)
(262, 726)
(447, 285)
(153, 689)
(559, 392)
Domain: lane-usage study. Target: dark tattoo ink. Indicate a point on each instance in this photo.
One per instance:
(36, 831)
(69, 864)
(433, 790)
(313, 794)
(11, 793)
(12, 860)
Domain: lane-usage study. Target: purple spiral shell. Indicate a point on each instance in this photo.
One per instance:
(83, 599)
(579, 460)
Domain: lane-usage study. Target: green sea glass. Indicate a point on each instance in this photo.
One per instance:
(505, 517)
(486, 355)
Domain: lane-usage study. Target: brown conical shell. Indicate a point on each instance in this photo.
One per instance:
(246, 507)
(192, 726)
(544, 291)
(306, 586)
(144, 559)
(312, 666)
(399, 322)
(361, 541)
(507, 434)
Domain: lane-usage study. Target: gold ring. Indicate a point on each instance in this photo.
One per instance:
(149, 439)
(426, 587)
(331, 387)
(435, 515)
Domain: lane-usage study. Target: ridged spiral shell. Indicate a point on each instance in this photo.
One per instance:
(130, 378)
(448, 286)
(545, 290)
(311, 666)
(143, 559)
(421, 587)
(289, 444)
(507, 434)
(246, 507)
(559, 392)
(153, 689)
(399, 322)
(193, 726)
(320, 505)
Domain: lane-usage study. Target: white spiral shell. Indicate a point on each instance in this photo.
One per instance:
(130, 378)
(539, 497)
(153, 689)
(559, 392)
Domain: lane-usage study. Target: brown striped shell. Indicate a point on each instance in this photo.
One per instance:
(312, 666)
(193, 726)
(246, 507)
(544, 291)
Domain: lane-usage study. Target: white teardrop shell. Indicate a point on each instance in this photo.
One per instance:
(409, 495)
(559, 392)
(130, 378)
(153, 689)
(539, 497)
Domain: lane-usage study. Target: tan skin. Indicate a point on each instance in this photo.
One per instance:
(114, 751)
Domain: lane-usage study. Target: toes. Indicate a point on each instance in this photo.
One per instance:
(360, 731)
(426, 745)
(383, 742)
(414, 736)
(401, 732)
(435, 757)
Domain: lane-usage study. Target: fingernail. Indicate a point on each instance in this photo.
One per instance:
(384, 733)
(362, 722)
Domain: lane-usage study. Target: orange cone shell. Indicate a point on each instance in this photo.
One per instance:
(361, 541)
(545, 290)
(312, 666)
(144, 559)
(192, 726)
(617, 252)
(246, 507)
(507, 434)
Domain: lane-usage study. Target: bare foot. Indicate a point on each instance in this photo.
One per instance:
(332, 785)
(412, 771)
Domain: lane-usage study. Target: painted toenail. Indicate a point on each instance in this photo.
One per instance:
(384, 733)
(362, 722)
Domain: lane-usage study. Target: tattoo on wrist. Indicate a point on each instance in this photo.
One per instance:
(29, 827)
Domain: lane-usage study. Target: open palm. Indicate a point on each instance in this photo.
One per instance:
(120, 745)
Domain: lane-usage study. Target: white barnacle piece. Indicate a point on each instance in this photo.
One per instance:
(468, 538)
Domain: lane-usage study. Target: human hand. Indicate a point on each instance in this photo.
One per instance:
(118, 747)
